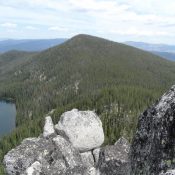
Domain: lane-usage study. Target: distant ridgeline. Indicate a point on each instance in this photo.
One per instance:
(85, 72)
(29, 44)
(162, 50)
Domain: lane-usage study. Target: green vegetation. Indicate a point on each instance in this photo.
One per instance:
(11, 60)
(116, 80)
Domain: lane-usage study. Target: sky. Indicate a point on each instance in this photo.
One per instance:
(119, 20)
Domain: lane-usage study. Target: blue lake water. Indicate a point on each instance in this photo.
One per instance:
(7, 118)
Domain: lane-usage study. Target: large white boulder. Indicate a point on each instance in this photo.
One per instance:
(83, 129)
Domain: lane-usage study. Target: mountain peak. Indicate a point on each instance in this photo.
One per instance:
(86, 38)
(83, 36)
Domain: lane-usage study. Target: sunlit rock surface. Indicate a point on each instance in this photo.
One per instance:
(83, 128)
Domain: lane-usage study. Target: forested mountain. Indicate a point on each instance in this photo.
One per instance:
(85, 72)
(29, 44)
(12, 59)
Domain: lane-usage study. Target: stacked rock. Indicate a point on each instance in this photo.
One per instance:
(70, 147)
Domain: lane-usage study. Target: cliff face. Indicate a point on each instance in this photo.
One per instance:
(153, 147)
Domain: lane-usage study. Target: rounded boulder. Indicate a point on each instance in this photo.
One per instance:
(83, 129)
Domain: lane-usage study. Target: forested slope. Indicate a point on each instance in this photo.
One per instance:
(9, 61)
(86, 72)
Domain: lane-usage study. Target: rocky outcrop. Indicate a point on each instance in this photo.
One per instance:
(83, 128)
(113, 160)
(19, 159)
(153, 147)
(54, 154)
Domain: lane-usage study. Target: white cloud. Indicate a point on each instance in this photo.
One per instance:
(57, 28)
(94, 5)
(9, 25)
(140, 32)
(31, 27)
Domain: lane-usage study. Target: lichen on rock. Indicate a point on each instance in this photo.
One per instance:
(153, 146)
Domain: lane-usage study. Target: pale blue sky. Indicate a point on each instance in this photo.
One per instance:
(119, 20)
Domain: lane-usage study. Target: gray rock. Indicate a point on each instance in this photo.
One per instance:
(23, 156)
(113, 160)
(96, 153)
(123, 144)
(92, 171)
(48, 127)
(34, 169)
(55, 155)
(83, 128)
(88, 159)
(65, 159)
(152, 150)
(169, 172)
(70, 154)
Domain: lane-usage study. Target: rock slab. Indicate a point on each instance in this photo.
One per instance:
(114, 159)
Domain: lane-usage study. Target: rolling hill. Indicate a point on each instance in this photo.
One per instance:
(85, 72)
(29, 44)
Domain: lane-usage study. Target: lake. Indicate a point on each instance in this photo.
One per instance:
(7, 117)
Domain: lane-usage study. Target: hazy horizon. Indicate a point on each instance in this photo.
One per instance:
(6, 39)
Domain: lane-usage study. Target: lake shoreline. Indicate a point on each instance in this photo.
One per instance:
(7, 116)
(7, 100)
